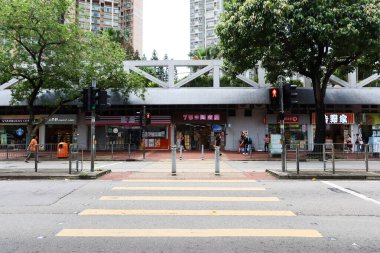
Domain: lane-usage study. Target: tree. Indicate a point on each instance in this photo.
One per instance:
(313, 38)
(43, 48)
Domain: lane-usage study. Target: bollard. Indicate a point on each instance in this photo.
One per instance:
(217, 152)
(203, 152)
(324, 156)
(333, 157)
(366, 156)
(297, 159)
(285, 161)
(174, 150)
(36, 158)
(180, 152)
(7, 153)
(70, 153)
(250, 150)
(129, 151)
(112, 150)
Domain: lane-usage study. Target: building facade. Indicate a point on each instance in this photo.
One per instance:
(123, 15)
(204, 17)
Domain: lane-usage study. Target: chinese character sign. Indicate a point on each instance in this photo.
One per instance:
(337, 118)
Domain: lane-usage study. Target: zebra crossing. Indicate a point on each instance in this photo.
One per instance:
(206, 198)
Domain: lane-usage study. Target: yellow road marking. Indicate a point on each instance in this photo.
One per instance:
(189, 188)
(185, 181)
(189, 233)
(187, 212)
(190, 198)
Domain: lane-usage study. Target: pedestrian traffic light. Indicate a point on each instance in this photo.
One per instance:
(148, 118)
(274, 97)
(290, 94)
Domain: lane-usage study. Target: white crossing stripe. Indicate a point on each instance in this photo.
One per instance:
(185, 181)
(189, 188)
(190, 198)
(187, 212)
(306, 233)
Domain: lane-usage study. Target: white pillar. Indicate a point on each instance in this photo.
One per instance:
(261, 75)
(216, 76)
(171, 74)
(352, 79)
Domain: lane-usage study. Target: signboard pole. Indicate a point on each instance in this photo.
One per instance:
(282, 127)
(93, 114)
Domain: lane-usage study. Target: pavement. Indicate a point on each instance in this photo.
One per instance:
(158, 166)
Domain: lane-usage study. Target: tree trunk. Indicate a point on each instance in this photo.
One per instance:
(320, 121)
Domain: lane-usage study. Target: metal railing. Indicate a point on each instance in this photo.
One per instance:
(332, 157)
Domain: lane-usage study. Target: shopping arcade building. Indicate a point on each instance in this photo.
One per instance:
(197, 113)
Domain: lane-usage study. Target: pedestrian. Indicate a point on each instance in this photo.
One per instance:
(218, 140)
(246, 143)
(358, 143)
(183, 143)
(241, 143)
(349, 143)
(266, 143)
(31, 148)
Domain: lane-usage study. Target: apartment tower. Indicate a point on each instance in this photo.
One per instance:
(204, 17)
(123, 15)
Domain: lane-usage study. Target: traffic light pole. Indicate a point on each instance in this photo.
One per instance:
(93, 115)
(144, 130)
(282, 126)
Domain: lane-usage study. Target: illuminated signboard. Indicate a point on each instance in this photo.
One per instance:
(337, 118)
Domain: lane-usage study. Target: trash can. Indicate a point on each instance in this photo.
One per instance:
(63, 150)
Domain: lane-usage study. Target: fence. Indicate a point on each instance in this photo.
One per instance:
(333, 157)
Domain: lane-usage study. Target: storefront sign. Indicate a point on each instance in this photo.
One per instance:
(14, 120)
(337, 118)
(200, 117)
(70, 119)
(290, 119)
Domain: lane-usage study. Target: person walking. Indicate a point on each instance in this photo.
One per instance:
(266, 143)
(31, 148)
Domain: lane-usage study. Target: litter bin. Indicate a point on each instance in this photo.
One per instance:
(63, 150)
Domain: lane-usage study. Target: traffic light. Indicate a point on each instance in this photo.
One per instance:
(102, 98)
(148, 118)
(86, 100)
(95, 99)
(274, 97)
(290, 94)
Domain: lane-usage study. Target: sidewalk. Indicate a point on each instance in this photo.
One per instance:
(188, 169)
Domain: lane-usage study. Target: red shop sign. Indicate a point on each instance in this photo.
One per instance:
(290, 119)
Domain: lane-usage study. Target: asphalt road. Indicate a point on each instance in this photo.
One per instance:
(189, 216)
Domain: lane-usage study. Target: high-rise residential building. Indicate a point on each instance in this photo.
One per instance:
(123, 15)
(204, 17)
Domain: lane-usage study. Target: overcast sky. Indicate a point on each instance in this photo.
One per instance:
(166, 28)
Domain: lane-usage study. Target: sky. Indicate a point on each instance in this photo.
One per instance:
(166, 28)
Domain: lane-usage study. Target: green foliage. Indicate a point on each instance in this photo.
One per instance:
(42, 45)
(313, 38)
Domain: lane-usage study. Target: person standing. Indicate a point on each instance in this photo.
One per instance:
(31, 148)
(218, 141)
(266, 143)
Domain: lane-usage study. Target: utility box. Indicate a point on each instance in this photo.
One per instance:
(63, 150)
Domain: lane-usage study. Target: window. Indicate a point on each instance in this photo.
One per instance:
(247, 113)
(108, 16)
(107, 9)
(107, 22)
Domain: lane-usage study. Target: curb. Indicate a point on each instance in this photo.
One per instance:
(319, 175)
(54, 176)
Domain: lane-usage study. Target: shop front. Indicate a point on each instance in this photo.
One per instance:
(13, 129)
(338, 127)
(295, 129)
(61, 128)
(120, 132)
(371, 131)
(199, 128)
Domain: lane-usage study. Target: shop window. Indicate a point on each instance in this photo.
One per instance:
(247, 113)
(231, 113)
